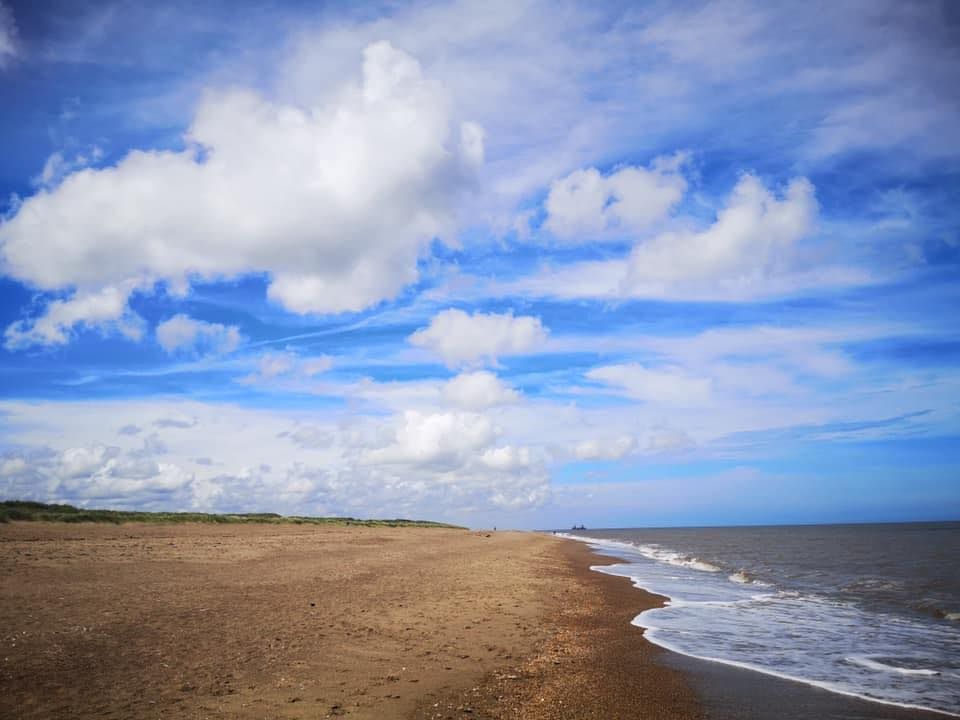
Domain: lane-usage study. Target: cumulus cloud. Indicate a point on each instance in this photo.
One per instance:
(753, 249)
(104, 309)
(656, 440)
(457, 451)
(478, 390)
(752, 236)
(586, 205)
(507, 457)
(334, 202)
(11, 466)
(435, 438)
(91, 472)
(460, 338)
(185, 334)
(668, 386)
(430, 463)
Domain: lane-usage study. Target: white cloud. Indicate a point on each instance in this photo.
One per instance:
(489, 55)
(77, 462)
(104, 309)
(478, 390)
(748, 363)
(58, 166)
(287, 365)
(668, 386)
(396, 395)
(185, 334)
(435, 438)
(507, 458)
(754, 249)
(222, 457)
(605, 448)
(314, 365)
(274, 364)
(465, 339)
(435, 462)
(586, 205)
(456, 451)
(622, 78)
(334, 202)
(714, 39)
(13, 466)
(92, 472)
(909, 100)
(8, 35)
(616, 83)
(752, 237)
(809, 351)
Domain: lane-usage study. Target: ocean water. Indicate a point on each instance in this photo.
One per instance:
(866, 610)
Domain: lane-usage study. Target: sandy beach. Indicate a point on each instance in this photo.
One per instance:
(265, 621)
(259, 621)
(280, 621)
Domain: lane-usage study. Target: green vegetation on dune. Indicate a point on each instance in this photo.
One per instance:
(43, 512)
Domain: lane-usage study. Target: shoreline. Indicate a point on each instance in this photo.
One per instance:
(730, 692)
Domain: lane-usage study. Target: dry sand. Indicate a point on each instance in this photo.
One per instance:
(257, 621)
(261, 621)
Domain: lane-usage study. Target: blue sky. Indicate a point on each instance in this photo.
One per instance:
(526, 264)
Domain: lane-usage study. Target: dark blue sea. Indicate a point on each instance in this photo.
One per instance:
(871, 611)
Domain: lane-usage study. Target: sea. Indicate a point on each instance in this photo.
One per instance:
(871, 611)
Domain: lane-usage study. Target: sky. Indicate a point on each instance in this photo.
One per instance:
(526, 264)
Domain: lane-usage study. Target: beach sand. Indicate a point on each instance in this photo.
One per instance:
(285, 621)
(256, 621)
(594, 663)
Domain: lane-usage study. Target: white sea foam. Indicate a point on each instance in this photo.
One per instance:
(653, 552)
(653, 637)
(873, 663)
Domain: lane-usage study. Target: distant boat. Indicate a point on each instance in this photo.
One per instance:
(578, 527)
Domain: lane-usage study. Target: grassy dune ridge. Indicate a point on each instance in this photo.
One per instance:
(43, 512)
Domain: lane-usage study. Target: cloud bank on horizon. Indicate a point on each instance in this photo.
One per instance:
(510, 263)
